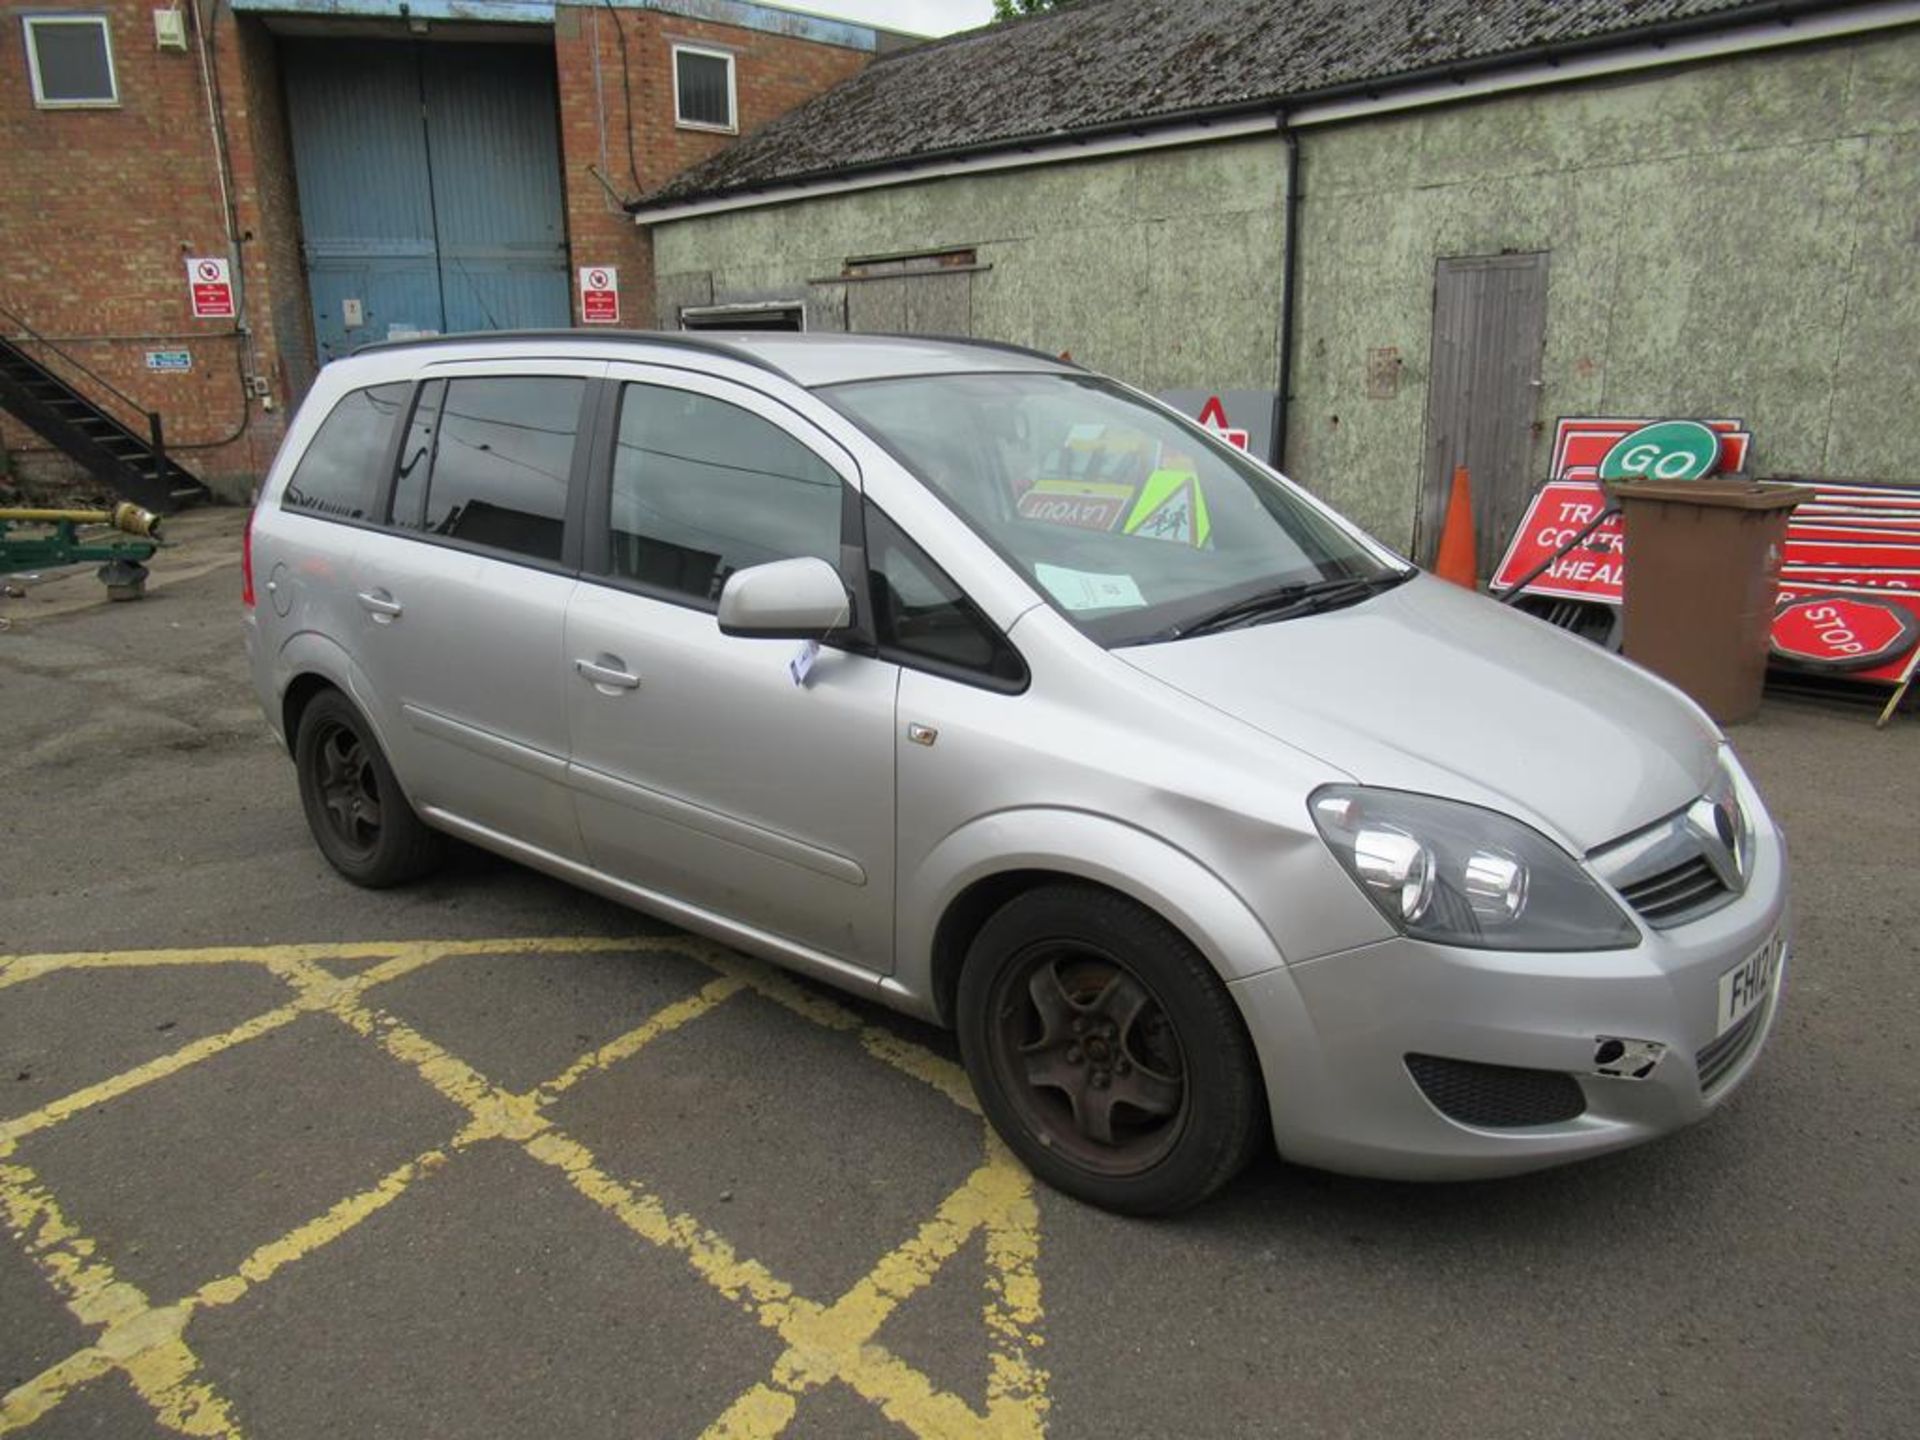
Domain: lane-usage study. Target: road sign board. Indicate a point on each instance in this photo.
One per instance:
(1591, 571)
(1670, 450)
(1213, 415)
(1581, 443)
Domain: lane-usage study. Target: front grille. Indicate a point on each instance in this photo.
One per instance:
(1496, 1097)
(1678, 893)
(1716, 1060)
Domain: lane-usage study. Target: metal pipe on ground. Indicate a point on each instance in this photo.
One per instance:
(126, 517)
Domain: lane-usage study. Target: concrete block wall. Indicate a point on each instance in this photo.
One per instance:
(1160, 266)
(1739, 238)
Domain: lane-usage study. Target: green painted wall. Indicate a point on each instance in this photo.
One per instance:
(1160, 267)
(1740, 238)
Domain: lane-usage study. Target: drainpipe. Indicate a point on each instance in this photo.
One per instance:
(1289, 266)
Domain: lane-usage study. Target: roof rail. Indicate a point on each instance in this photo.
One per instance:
(677, 339)
(1006, 345)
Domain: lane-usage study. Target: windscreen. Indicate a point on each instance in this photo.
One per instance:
(1128, 520)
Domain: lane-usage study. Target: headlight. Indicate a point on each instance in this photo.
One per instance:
(1459, 875)
(1726, 798)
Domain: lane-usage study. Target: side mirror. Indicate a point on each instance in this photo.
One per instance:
(800, 599)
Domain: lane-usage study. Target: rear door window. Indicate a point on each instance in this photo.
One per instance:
(499, 457)
(340, 475)
(702, 488)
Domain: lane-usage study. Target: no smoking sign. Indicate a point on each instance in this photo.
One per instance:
(210, 287)
(599, 295)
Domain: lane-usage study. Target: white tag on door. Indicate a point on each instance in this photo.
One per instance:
(802, 661)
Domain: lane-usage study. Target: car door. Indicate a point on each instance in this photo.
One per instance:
(710, 769)
(463, 596)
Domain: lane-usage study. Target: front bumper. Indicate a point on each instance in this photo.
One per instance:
(1334, 1035)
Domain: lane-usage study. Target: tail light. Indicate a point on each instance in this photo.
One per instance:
(246, 563)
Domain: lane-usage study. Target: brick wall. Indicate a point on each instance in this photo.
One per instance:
(772, 74)
(99, 210)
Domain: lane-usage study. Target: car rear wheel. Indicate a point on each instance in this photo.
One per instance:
(354, 807)
(1106, 1051)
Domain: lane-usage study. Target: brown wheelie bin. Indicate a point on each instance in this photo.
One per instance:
(1703, 564)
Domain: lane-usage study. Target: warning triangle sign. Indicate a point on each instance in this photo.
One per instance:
(1171, 507)
(1171, 519)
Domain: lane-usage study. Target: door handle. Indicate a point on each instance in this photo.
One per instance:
(607, 677)
(382, 606)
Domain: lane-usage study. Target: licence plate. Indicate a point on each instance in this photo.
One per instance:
(1747, 984)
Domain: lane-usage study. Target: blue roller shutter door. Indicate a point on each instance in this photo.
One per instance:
(429, 185)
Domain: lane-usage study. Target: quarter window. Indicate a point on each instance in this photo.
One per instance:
(498, 452)
(339, 475)
(702, 488)
(703, 88)
(70, 58)
(921, 615)
(416, 456)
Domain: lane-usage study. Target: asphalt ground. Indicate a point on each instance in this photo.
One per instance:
(490, 1157)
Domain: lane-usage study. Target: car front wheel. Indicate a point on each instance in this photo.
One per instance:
(1106, 1051)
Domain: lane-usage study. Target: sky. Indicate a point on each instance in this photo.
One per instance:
(922, 17)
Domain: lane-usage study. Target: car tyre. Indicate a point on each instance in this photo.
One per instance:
(1106, 1051)
(359, 818)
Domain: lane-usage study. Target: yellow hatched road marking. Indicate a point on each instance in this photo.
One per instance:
(824, 1343)
(140, 1341)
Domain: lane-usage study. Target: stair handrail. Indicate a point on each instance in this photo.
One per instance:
(19, 322)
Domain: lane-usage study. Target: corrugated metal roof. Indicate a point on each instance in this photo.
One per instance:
(1093, 64)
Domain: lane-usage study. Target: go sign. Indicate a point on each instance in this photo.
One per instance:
(1841, 634)
(1671, 450)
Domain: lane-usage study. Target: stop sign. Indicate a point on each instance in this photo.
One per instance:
(1841, 633)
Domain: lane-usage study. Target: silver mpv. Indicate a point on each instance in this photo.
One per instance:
(992, 689)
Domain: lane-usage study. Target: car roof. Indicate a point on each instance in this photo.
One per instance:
(807, 359)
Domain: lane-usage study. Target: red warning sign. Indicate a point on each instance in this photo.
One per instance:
(1213, 415)
(1591, 571)
(1847, 632)
(599, 295)
(210, 287)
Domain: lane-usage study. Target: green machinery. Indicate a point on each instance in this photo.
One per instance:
(54, 539)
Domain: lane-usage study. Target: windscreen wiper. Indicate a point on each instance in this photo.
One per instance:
(1286, 601)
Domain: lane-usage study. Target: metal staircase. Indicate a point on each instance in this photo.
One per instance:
(81, 423)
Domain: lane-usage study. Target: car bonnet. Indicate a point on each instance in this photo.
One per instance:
(1430, 688)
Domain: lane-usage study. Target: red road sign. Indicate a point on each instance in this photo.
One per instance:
(1857, 547)
(1590, 572)
(1213, 415)
(1865, 638)
(1820, 548)
(599, 295)
(210, 288)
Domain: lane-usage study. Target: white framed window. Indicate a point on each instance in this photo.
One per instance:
(703, 91)
(70, 58)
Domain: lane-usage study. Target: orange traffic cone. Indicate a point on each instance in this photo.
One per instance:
(1454, 561)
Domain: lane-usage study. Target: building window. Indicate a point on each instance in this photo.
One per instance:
(703, 89)
(71, 61)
